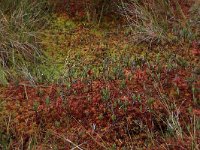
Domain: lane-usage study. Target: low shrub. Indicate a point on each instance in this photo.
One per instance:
(91, 10)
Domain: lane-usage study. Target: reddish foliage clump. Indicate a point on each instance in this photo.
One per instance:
(107, 118)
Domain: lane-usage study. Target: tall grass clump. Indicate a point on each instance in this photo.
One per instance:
(21, 22)
(161, 21)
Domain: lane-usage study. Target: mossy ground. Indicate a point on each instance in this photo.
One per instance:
(97, 90)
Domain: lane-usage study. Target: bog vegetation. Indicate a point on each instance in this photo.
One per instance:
(100, 74)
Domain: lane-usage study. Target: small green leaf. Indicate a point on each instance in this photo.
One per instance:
(47, 101)
(113, 117)
(35, 106)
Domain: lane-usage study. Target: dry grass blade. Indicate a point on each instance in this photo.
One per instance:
(67, 140)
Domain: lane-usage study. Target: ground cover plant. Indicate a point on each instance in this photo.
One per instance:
(74, 78)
